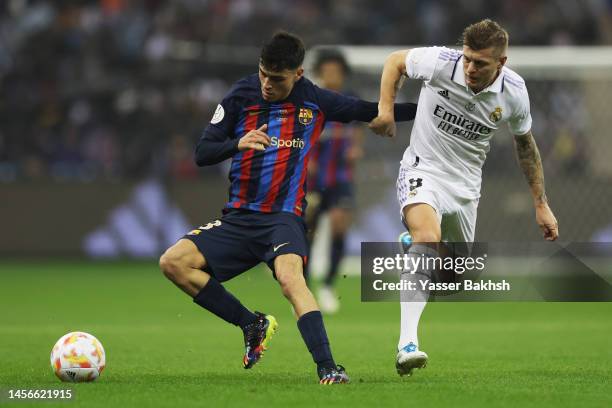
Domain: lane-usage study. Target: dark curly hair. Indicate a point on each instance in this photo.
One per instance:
(283, 51)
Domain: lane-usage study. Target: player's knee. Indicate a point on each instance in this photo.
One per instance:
(426, 236)
(290, 283)
(289, 274)
(171, 266)
(340, 222)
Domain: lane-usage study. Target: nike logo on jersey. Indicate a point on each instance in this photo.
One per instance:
(444, 93)
(277, 247)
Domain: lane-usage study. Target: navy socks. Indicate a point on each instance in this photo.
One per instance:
(314, 335)
(214, 298)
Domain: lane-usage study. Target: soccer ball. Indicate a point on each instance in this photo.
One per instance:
(78, 357)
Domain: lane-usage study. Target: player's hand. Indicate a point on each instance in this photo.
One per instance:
(383, 125)
(547, 222)
(255, 139)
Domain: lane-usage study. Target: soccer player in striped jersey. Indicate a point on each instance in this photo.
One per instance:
(267, 124)
(330, 179)
(465, 98)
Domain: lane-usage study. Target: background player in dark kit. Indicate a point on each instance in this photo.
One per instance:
(330, 175)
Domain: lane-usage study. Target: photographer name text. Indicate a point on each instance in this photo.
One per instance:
(428, 285)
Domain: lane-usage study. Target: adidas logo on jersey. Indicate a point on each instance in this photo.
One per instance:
(444, 93)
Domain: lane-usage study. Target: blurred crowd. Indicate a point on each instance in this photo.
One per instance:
(115, 89)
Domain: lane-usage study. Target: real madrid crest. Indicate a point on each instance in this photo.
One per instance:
(470, 107)
(496, 115)
(305, 116)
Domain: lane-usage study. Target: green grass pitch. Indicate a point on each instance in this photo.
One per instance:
(163, 350)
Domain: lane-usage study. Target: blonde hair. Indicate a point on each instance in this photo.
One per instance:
(484, 34)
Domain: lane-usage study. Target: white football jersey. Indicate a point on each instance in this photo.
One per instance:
(453, 125)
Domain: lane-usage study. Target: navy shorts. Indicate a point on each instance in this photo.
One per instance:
(341, 195)
(242, 239)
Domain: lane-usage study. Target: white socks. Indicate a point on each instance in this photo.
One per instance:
(413, 302)
(409, 323)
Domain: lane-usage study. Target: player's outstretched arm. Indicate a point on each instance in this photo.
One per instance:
(342, 108)
(393, 75)
(530, 162)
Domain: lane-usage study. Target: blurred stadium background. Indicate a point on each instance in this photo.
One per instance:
(101, 103)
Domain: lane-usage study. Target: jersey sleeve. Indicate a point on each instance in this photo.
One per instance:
(342, 108)
(217, 142)
(421, 62)
(338, 107)
(224, 118)
(520, 121)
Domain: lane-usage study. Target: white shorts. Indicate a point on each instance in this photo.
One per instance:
(456, 214)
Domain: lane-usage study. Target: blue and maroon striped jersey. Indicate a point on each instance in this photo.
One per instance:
(330, 157)
(275, 179)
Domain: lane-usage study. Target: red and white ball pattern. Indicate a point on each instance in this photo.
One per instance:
(78, 357)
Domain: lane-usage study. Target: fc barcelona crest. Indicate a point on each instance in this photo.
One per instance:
(305, 116)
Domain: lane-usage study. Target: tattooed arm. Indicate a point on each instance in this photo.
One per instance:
(393, 76)
(531, 165)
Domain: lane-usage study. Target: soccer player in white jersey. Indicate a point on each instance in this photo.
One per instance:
(465, 98)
